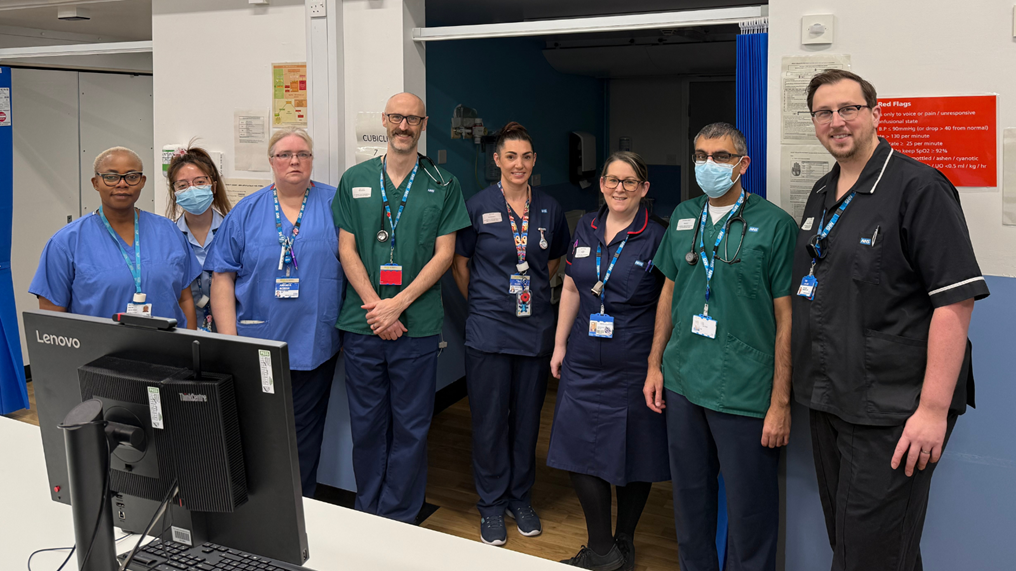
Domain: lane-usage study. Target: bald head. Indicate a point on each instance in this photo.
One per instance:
(406, 104)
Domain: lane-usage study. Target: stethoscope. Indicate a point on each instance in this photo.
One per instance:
(382, 234)
(692, 256)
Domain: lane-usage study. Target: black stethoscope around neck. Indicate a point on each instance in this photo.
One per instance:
(692, 256)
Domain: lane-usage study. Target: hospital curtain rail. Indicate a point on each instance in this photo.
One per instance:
(752, 56)
(13, 393)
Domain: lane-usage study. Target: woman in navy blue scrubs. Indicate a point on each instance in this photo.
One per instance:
(603, 433)
(503, 263)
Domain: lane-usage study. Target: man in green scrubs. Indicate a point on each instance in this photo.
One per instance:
(397, 216)
(720, 363)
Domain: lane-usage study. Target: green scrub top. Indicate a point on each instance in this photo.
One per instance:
(732, 373)
(432, 210)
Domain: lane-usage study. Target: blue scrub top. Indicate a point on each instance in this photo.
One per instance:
(248, 243)
(201, 287)
(82, 269)
(492, 325)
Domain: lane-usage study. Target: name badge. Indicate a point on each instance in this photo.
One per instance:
(140, 309)
(601, 325)
(686, 224)
(703, 325)
(492, 217)
(582, 252)
(518, 283)
(808, 286)
(287, 288)
(391, 274)
(523, 304)
(361, 192)
(808, 223)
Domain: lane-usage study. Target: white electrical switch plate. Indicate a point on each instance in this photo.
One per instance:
(442, 157)
(317, 9)
(817, 29)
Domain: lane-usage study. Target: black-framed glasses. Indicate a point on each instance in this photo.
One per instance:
(720, 157)
(287, 156)
(396, 119)
(629, 184)
(113, 178)
(846, 113)
(197, 181)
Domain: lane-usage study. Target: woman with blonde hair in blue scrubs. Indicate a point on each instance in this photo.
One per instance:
(503, 263)
(276, 275)
(118, 259)
(603, 433)
(196, 188)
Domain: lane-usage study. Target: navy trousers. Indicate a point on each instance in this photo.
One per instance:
(310, 405)
(703, 443)
(391, 386)
(506, 394)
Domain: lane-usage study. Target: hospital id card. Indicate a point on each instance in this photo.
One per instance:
(287, 288)
(601, 325)
(391, 274)
(703, 325)
(808, 286)
(139, 309)
(518, 283)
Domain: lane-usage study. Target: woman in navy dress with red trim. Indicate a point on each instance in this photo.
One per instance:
(603, 433)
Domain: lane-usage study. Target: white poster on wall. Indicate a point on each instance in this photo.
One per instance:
(796, 73)
(237, 188)
(1009, 177)
(800, 169)
(250, 140)
(5, 106)
(371, 136)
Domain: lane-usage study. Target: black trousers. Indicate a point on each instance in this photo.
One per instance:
(874, 514)
(311, 390)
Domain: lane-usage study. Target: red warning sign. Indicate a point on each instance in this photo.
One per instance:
(956, 135)
(3, 116)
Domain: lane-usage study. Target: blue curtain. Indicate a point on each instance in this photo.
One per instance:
(752, 56)
(13, 394)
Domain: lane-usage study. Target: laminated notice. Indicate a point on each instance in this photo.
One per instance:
(155, 407)
(265, 362)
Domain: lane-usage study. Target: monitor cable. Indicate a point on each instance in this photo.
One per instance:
(170, 494)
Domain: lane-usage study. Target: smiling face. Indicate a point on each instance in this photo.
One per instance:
(403, 137)
(845, 140)
(292, 171)
(516, 160)
(620, 200)
(120, 195)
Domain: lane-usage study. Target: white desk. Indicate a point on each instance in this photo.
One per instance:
(339, 538)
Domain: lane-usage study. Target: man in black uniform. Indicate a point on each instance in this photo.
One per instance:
(885, 280)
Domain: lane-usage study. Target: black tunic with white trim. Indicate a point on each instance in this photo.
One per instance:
(900, 250)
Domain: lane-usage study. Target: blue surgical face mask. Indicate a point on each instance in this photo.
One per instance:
(195, 199)
(715, 178)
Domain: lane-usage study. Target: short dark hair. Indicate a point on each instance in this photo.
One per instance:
(512, 132)
(631, 159)
(720, 130)
(837, 75)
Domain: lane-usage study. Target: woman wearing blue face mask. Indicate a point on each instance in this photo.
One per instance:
(196, 189)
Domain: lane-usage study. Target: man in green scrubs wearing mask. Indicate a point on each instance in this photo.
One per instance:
(720, 363)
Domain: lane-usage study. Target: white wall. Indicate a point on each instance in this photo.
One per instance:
(211, 58)
(916, 49)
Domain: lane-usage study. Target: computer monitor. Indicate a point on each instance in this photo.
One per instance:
(74, 358)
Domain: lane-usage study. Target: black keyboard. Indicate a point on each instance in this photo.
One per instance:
(172, 556)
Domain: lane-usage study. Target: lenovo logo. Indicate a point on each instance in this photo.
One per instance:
(191, 397)
(57, 340)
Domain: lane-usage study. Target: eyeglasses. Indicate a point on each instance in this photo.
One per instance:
(396, 119)
(630, 184)
(185, 184)
(719, 157)
(113, 179)
(287, 156)
(847, 113)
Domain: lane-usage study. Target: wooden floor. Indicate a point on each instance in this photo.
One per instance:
(450, 486)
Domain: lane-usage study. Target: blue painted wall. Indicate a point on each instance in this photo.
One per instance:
(508, 79)
(971, 519)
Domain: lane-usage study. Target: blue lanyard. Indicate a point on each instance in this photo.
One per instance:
(287, 255)
(825, 229)
(135, 268)
(405, 197)
(521, 238)
(610, 268)
(710, 265)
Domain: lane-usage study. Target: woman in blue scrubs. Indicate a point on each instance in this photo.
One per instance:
(276, 275)
(503, 263)
(196, 187)
(603, 433)
(119, 258)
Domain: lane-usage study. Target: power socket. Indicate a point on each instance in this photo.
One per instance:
(317, 9)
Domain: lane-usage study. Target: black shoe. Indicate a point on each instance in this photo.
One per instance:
(627, 548)
(588, 559)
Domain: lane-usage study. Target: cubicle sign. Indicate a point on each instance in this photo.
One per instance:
(956, 135)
